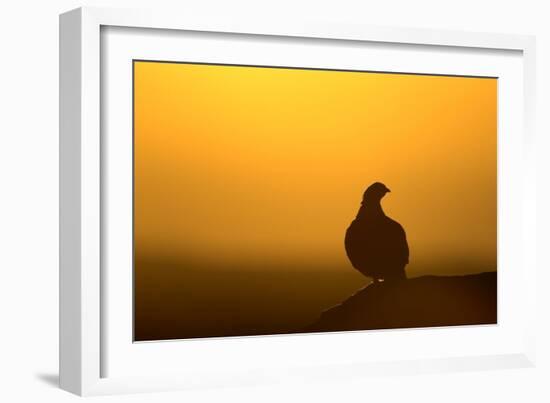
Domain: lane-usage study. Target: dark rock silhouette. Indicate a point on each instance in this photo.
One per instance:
(375, 244)
(419, 302)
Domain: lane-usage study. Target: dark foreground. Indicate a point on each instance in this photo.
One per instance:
(179, 299)
(419, 302)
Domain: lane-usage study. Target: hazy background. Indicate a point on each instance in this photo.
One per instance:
(247, 178)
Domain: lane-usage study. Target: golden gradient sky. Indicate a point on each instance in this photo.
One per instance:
(239, 165)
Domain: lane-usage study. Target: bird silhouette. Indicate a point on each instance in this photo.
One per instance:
(375, 244)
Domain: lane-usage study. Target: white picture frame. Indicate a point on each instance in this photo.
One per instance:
(89, 340)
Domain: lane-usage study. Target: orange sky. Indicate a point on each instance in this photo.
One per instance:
(244, 164)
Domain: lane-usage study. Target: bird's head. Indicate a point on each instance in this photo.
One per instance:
(375, 192)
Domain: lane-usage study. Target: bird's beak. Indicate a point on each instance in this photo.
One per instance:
(388, 190)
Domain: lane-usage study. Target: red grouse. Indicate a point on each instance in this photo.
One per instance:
(375, 244)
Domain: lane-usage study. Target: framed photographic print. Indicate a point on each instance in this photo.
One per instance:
(250, 201)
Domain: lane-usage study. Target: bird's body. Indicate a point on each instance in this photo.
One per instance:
(375, 244)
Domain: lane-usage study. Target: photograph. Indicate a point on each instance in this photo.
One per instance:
(209, 201)
(284, 200)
